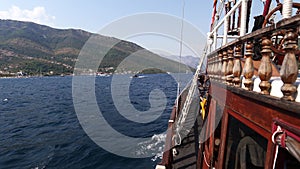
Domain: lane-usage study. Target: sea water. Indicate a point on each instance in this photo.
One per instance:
(39, 127)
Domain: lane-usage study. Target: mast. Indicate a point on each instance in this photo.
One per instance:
(213, 14)
(267, 7)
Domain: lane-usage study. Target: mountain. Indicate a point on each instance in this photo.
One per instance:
(36, 49)
(187, 60)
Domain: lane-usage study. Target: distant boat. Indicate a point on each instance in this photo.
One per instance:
(103, 74)
(137, 76)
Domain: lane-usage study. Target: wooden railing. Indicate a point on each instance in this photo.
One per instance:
(224, 24)
(167, 158)
(233, 61)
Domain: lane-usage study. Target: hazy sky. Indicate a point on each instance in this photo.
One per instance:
(94, 15)
(91, 15)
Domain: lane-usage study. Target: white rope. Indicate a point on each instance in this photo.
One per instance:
(287, 8)
(177, 141)
(244, 17)
(177, 135)
(275, 157)
(278, 130)
(205, 159)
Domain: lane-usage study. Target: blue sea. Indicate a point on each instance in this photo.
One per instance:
(40, 128)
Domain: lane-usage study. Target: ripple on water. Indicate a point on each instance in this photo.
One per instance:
(39, 127)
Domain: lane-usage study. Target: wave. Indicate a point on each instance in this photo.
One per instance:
(155, 146)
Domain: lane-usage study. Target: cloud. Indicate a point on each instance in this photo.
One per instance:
(37, 14)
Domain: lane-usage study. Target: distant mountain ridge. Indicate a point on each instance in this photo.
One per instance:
(187, 60)
(38, 49)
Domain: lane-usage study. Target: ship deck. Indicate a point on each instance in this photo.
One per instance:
(188, 150)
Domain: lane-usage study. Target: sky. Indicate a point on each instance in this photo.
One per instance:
(162, 34)
(94, 15)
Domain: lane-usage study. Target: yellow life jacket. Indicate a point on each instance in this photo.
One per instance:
(202, 104)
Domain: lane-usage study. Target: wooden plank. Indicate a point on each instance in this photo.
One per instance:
(260, 109)
(167, 154)
(211, 136)
(248, 122)
(283, 106)
(223, 138)
(256, 111)
(209, 144)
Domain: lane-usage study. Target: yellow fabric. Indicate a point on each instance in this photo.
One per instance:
(202, 104)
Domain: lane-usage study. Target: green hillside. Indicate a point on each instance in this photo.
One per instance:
(41, 50)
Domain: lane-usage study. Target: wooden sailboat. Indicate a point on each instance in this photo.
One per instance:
(244, 111)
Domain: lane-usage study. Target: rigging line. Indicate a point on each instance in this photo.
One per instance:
(181, 30)
(180, 52)
(186, 105)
